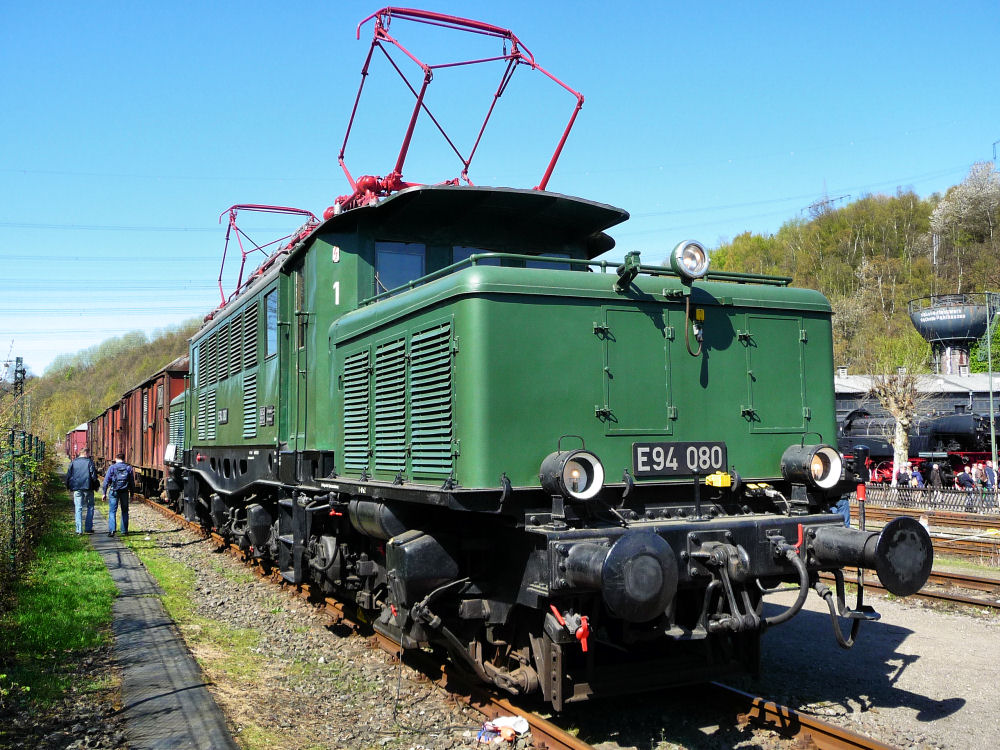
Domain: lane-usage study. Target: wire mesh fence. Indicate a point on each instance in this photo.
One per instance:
(22, 484)
(976, 500)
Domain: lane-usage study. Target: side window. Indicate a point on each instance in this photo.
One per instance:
(461, 252)
(397, 263)
(271, 313)
(547, 264)
(196, 364)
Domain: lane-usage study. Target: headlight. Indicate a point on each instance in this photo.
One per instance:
(576, 475)
(689, 259)
(816, 465)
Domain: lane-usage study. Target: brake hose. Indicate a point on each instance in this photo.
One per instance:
(792, 555)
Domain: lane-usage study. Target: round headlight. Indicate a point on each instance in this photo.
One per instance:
(816, 465)
(576, 475)
(689, 259)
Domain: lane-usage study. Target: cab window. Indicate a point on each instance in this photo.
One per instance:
(271, 314)
(549, 264)
(461, 252)
(397, 264)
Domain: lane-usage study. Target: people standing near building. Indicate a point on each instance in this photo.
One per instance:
(118, 485)
(935, 480)
(991, 476)
(989, 484)
(903, 476)
(965, 482)
(81, 480)
(977, 474)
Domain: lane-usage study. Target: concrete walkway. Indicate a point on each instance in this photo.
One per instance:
(167, 705)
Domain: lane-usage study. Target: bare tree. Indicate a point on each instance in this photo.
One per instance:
(895, 369)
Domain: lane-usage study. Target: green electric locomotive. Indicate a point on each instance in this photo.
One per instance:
(577, 478)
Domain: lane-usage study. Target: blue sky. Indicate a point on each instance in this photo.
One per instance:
(127, 128)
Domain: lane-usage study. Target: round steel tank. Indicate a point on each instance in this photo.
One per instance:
(950, 323)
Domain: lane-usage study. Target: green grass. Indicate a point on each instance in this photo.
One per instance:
(222, 648)
(62, 610)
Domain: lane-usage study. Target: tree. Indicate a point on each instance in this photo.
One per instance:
(894, 384)
(966, 220)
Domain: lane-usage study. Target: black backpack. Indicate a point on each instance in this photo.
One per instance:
(120, 477)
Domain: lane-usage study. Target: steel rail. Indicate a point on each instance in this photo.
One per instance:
(974, 546)
(789, 722)
(941, 579)
(948, 519)
(546, 735)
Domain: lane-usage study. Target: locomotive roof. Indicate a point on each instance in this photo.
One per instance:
(507, 215)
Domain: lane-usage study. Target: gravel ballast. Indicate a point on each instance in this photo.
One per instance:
(919, 678)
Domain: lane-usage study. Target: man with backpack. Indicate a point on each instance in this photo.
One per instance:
(118, 485)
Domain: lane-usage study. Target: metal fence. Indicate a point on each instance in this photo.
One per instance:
(979, 500)
(22, 483)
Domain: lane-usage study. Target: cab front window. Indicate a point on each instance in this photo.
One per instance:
(397, 264)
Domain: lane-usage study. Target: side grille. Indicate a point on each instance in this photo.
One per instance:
(390, 406)
(431, 401)
(250, 406)
(250, 336)
(202, 404)
(211, 418)
(236, 344)
(213, 358)
(357, 376)
(177, 426)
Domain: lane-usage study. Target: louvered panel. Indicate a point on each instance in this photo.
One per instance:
(211, 418)
(224, 352)
(250, 336)
(390, 406)
(202, 372)
(213, 357)
(430, 385)
(236, 344)
(357, 377)
(202, 405)
(177, 426)
(250, 406)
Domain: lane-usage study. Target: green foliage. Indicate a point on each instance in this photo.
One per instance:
(979, 357)
(75, 388)
(871, 256)
(62, 608)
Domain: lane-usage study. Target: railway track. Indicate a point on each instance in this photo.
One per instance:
(947, 594)
(744, 707)
(810, 731)
(979, 537)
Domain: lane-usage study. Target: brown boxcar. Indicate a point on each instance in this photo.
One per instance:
(137, 425)
(75, 440)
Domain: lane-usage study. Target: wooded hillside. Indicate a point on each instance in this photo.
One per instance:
(77, 387)
(871, 256)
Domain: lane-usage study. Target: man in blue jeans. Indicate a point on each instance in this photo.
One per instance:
(117, 487)
(81, 480)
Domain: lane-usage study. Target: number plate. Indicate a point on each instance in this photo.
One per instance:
(677, 458)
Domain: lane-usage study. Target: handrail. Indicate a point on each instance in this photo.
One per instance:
(603, 265)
